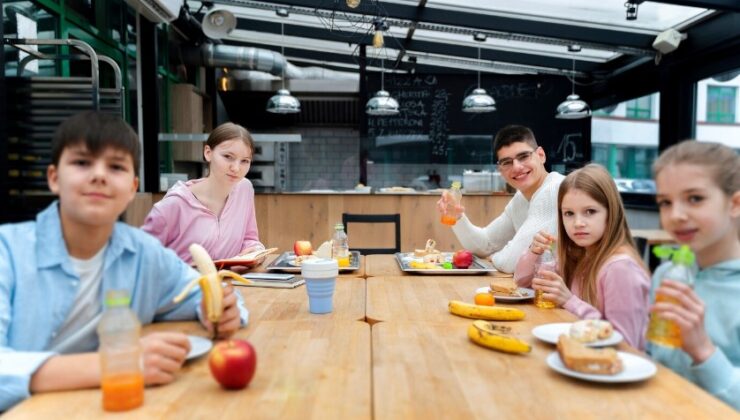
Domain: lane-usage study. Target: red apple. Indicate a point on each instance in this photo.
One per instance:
(233, 363)
(462, 258)
(302, 248)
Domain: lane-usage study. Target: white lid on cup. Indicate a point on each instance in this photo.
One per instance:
(319, 268)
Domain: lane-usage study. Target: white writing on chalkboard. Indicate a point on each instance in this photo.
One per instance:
(438, 123)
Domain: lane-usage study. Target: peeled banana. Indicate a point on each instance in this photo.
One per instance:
(495, 313)
(490, 335)
(210, 283)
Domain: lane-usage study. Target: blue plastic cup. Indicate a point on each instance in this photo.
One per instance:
(320, 276)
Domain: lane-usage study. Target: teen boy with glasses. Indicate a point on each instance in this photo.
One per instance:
(532, 209)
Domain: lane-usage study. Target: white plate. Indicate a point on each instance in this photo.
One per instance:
(636, 368)
(526, 294)
(550, 333)
(198, 346)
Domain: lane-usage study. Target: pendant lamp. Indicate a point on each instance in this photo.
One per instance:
(479, 100)
(382, 103)
(283, 102)
(573, 108)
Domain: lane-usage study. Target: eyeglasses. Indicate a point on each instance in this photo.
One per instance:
(507, 163)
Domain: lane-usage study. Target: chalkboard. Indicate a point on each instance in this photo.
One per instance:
(431, 126)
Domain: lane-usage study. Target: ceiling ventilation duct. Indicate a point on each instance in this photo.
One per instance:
(157, 11)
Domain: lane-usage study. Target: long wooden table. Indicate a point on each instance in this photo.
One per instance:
(411, 359)
(262, 268)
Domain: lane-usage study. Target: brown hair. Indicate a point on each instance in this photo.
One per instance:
(721, 162)
(597, 183)
(97, 131)
(513, 134)
(230, 131)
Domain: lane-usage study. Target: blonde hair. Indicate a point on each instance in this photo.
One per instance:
(597, 183)
(721, 162)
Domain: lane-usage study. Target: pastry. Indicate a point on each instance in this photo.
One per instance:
(576, 356)
(589, 330)
(504, 287)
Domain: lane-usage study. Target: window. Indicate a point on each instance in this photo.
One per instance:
(640, 108)
(627, 148)
(721, 104)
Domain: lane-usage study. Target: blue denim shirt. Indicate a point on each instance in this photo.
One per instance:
(38, 286)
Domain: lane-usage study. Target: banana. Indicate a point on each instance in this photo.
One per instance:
(210, 283)
(495, 313)
(490, 335)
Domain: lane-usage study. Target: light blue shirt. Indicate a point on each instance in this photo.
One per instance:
(38, 285)
(718, 287)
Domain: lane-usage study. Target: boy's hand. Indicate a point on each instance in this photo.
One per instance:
(163, 354)
(540, 242)
(230, 320)
(553, 286)
(688, 312)
(443, 202)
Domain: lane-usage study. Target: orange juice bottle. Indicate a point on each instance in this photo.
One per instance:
(662, 331)
(454, 197)
(121, 370)
(546, 261)
(340, 246)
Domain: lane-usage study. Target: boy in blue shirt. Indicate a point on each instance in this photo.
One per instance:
(55, 271)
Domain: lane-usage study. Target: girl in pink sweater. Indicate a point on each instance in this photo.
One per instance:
(216, 211)
(600, 273)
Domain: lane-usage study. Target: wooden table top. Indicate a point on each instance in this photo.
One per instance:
(305, 369)
(270, 258)
(267, 304)
(382, 265)
(431, 370)
(654, 236)
(425, 298)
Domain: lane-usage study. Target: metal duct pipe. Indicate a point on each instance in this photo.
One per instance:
(210, 55)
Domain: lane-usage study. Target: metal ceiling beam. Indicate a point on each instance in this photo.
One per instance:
(479, 21)
(727, 5)
(410, 33)
(431, 47)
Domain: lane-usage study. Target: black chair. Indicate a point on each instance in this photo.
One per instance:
(374, 218)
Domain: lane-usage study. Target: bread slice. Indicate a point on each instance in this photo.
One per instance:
(576, 356)
(504, 287)
(589, 330)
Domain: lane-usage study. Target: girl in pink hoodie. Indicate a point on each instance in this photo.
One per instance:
(600, 273)
(216, 211)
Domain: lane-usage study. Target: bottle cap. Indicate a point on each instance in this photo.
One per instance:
(117, 298)
(683, 255)
(456, 185)
(339, 226)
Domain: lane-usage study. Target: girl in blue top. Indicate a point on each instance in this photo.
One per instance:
(698, 194)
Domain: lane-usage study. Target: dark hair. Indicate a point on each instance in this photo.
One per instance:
(513, 134)
(720, 161)
(230, 131)
(98, 131)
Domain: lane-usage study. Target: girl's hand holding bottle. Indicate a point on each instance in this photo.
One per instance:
(553, 286)
(685, 309)
(230, 320)
(541, 241)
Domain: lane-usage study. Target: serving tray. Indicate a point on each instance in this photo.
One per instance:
(478, 266)
(285, 262)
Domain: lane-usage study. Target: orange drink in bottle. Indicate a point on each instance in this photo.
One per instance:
(662, 331)
(121, 371)
(454, 197)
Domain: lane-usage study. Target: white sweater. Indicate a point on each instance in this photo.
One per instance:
(507, 236)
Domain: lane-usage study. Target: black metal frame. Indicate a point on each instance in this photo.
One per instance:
(375, 218)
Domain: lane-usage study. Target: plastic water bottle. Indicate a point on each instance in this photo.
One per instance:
(545, 262)
(454, 197)
(121, 365)
(340, 246)
(662, 331)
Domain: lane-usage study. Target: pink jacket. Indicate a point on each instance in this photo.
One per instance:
(622, 291)
(179, 220)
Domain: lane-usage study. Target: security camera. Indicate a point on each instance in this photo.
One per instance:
(668, 40)
(631, 10)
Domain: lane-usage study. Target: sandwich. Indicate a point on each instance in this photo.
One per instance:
(504, 287)
(576, 356)
(590, 330)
